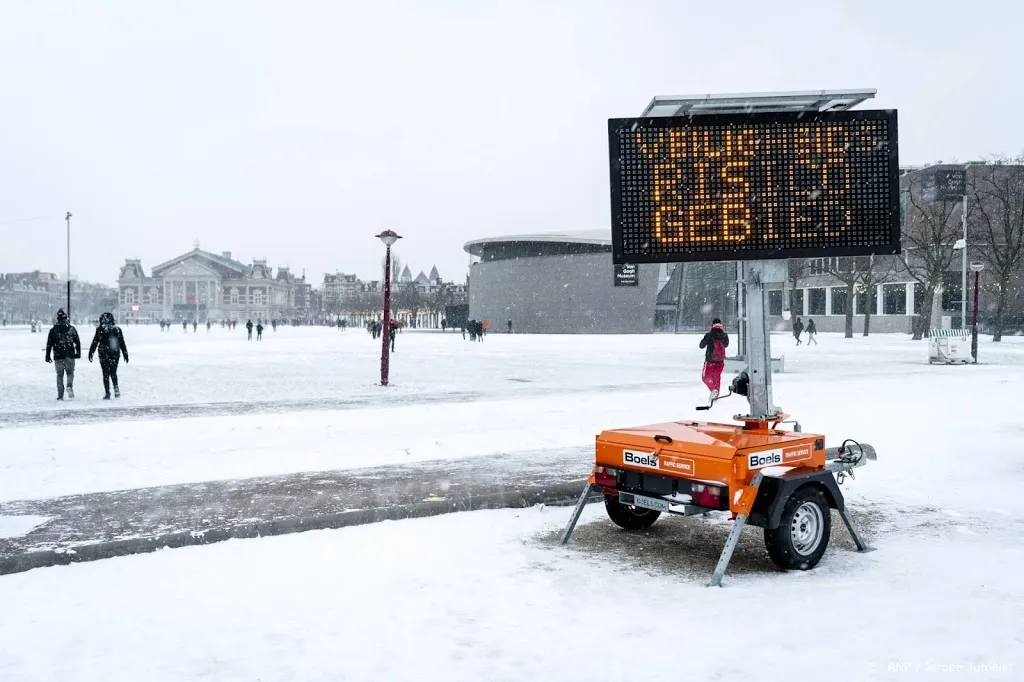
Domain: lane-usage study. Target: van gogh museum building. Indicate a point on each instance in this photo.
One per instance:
(566, 283)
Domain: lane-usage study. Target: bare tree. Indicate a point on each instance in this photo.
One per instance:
(438, 300)
(847, 271)
(929, 233)
(997, 225)
(407, 299)
(872, 271)
(396, 268)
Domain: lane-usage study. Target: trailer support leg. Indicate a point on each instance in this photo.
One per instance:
(575, 514)
(854, 533)
(730, 547)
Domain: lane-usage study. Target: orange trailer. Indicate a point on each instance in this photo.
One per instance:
(781, 480)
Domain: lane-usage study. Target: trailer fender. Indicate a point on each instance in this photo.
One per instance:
(777, 490)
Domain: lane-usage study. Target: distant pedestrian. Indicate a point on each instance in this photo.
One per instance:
(259, 330)
(110, 342)
(65, 346)
(184, 326)
(207, 325)
(798, 328)
(393, 330)
(273, 324)
(248, 328)
(812, 333)
(195, 326)
(510, 326)
(463, 331)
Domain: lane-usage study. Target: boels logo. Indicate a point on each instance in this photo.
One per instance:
(770, 458)
(648, 460)
(759, 460)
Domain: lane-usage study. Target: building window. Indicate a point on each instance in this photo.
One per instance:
(866, 301)
(796, 301)
(179, 292)
(129, 296)
(257, 297)
(815, 301)
(147, 297)
(234, 296)
(822, 266)
(894, 299)
(775, 302)
(839, 300)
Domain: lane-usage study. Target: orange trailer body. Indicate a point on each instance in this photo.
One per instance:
(727, 455)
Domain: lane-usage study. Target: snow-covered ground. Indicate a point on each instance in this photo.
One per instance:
(452, 398)
(488, 595)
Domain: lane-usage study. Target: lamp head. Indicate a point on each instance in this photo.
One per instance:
(389, 237)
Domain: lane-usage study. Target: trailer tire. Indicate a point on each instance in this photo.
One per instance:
(627, 517)
(802, 536)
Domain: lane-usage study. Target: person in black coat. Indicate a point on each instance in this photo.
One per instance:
(65, 347)
(110, 342)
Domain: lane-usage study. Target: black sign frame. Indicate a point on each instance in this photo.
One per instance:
(624, 278)
(891, 244)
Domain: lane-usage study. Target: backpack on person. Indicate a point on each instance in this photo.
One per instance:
(717, 350)
(63, 345)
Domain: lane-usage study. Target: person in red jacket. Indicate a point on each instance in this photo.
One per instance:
(714, 342)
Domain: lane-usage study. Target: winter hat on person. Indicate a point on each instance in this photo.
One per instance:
(61, 315)
(716, 323)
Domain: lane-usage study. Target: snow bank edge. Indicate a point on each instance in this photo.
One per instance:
(559, 494)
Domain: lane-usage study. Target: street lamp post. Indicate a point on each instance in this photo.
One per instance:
(976, 267)
(389, 237)
(68, 219)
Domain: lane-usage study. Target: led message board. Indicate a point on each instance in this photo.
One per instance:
(757, 186)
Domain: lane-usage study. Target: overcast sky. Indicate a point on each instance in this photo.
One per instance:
(296, 131)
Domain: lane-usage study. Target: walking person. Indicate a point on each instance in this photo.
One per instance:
(109, 341)
(259, 330)
(393, 331)
(65, 347)
(510, 326)
(715, 342)
(812, 331)
(248, 328)
(798, 328)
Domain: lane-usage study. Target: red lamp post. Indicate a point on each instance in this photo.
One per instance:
(389, 237)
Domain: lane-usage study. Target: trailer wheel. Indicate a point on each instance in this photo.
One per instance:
(803, 532)
(627, 517)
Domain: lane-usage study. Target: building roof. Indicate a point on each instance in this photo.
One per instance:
(597, 237)
(227, 263)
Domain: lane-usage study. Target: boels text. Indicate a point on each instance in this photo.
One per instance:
(640, 459)
(758, 460)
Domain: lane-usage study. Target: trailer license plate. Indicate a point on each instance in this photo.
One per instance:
(650, 503)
